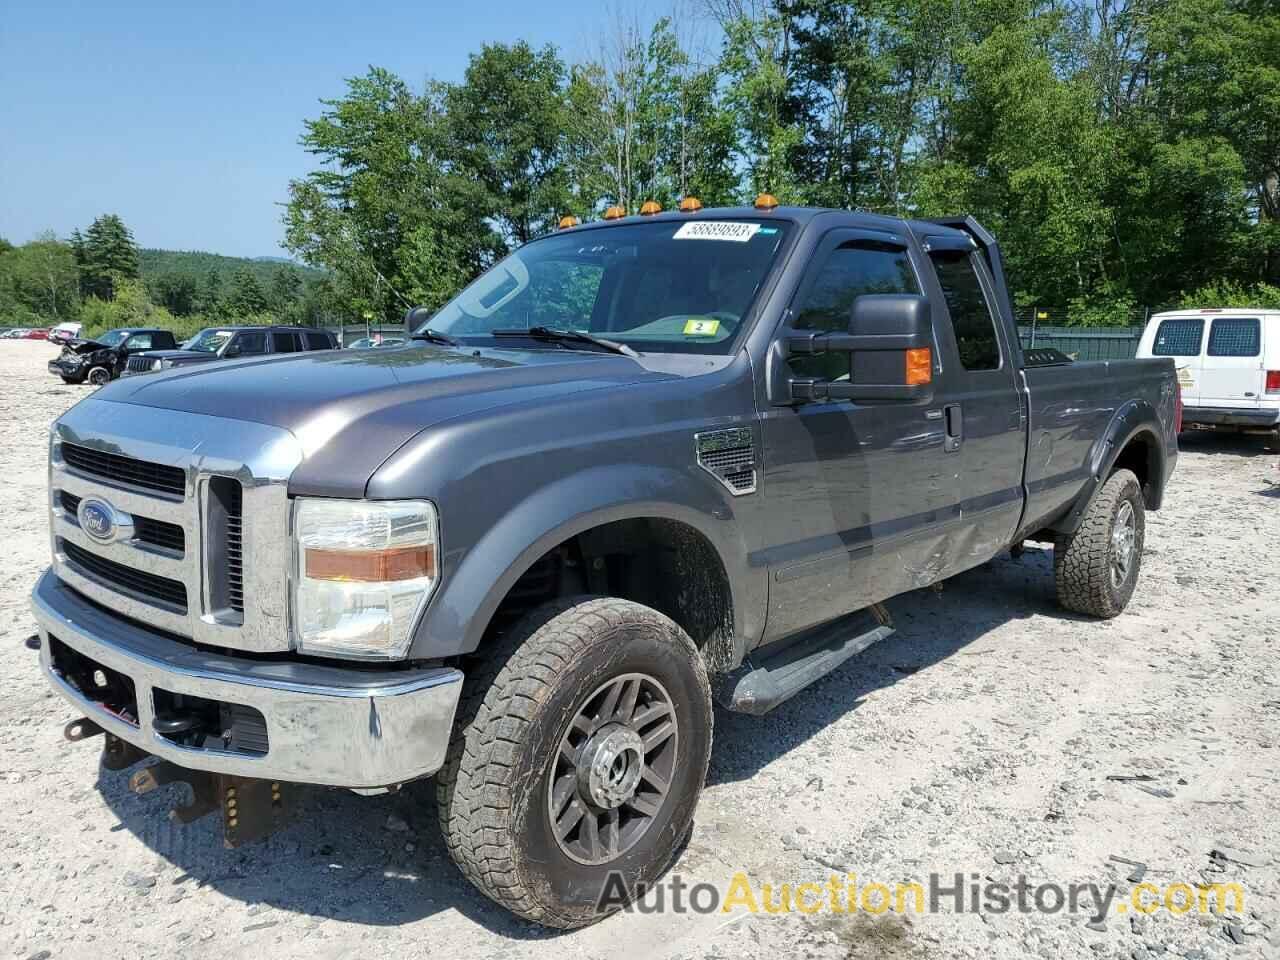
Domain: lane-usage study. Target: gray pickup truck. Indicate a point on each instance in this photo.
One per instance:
(636, 466)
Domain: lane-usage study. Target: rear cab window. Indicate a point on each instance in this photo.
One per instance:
(972, 319)
(1235, 337)
(1178, 337)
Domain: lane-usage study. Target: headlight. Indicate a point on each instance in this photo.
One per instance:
(157, 364)
(363, 571)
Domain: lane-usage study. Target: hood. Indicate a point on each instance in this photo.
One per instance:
(78, 346)
(351, 410)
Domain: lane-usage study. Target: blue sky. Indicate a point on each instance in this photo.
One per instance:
(184, 118)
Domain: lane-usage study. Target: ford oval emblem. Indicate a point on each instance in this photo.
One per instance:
(97, 519)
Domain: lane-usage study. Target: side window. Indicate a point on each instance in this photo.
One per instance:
(139, 341)
(285, 341)
(1235, 337)
(850, 271)
(971, 316)
(318, 341)
(1179, 337)
(251, 342)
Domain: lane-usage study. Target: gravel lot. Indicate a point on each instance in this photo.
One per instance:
(977, 740)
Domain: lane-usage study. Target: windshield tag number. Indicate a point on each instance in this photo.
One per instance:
(735, 232)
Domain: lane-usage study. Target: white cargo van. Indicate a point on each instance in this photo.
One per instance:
(1228, 363)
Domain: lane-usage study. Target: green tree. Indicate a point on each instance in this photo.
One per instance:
(246, 297)
(506, 123)
(209, 298)
(286, 292)
(176, 292)
(40, 277)
(109, 256)
(388, 212)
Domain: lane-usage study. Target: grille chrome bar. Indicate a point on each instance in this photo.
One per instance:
(117, 469)
(236, 596)
(171, 593)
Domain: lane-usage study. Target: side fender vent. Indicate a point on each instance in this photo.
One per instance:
(730, 457)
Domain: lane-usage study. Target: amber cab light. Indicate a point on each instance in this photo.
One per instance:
(567, 221)
(919, 366)
(650, 207)
(690, 205)
(614, 213)
(766, 201)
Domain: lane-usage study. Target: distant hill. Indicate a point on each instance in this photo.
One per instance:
(158, 263)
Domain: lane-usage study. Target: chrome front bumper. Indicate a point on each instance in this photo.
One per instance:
(325, 724)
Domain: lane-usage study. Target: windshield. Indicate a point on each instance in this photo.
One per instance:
(669, 286)
(112, 338)
(209, 341)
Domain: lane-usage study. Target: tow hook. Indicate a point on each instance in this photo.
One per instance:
(251, 808)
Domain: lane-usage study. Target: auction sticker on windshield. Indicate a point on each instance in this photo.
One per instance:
(734, 231)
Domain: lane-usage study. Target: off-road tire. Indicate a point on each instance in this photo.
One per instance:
(98, 377)
(518, 701)
(1083, 563)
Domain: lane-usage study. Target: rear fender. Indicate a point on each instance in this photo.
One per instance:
(1135, 418)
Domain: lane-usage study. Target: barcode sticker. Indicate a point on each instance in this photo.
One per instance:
(733, 231)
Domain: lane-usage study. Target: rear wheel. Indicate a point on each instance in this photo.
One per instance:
(1096, 568)
(580, 751)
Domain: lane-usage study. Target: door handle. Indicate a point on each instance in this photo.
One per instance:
(954, 420)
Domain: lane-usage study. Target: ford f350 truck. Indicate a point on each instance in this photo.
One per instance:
(635, 463)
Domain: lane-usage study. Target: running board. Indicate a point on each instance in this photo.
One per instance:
(770, 677)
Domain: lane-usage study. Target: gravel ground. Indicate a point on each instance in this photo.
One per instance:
(980, 739)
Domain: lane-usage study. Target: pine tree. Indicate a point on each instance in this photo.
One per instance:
(246, 294)
(109, 256)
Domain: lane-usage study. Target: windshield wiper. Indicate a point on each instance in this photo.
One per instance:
(568, 336)
(432, 336)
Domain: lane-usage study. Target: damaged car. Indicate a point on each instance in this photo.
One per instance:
(102, 359)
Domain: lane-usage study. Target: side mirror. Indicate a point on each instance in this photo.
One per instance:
(890, 343)
(416, 317)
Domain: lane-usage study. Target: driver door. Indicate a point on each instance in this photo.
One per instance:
(857, 493)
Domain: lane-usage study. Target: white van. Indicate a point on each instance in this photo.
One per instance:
(1228, 364)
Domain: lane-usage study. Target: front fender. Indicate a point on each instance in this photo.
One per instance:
(1134, 418)
(459, 613)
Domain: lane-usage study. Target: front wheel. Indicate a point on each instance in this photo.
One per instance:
(99, 376)
(579, 754)
(1096, 568)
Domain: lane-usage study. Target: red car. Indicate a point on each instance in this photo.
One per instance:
(36, 335)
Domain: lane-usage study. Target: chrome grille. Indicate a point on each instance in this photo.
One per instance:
(128, 579)
(139, 364)
(158, 533)
(117, 469)
(209, 553)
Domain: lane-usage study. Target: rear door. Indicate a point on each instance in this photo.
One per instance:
(983, 412)
(1182, 338)
(285, 341)
(1232, 370)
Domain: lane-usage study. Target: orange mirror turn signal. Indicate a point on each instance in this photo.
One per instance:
(919, 366)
